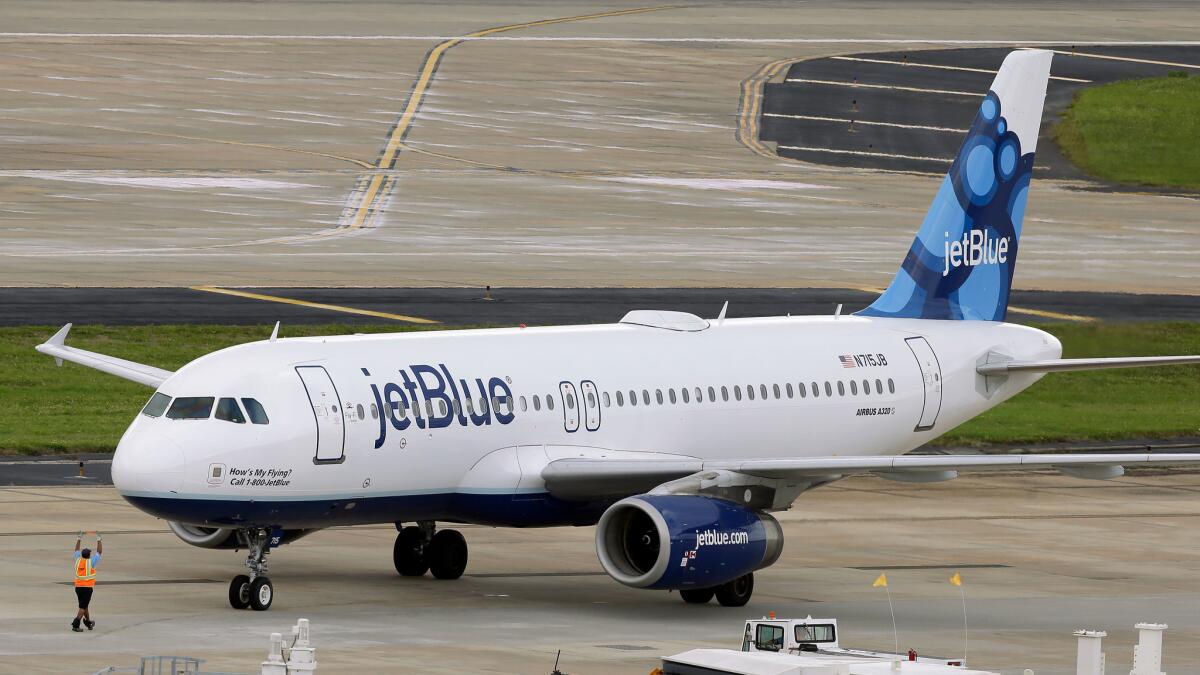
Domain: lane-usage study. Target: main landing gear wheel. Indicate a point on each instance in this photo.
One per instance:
(408, 554)
(261, 594)
(447, 554)
(697, 596)
(239, 592)
(736, 593)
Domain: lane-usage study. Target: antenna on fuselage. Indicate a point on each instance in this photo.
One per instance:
(721, 316)
(837, 312)
(275, 331)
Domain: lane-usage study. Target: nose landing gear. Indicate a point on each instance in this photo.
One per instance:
(255, 590)
(419, 548)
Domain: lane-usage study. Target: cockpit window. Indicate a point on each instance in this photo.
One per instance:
(228, 410)
(191, 408)
(255, 410)
(157, 405)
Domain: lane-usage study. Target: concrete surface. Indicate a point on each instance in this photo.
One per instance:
(1040, 555)
(597, 152)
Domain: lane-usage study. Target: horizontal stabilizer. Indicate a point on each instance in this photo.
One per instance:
(129, 370)
(1064, 365)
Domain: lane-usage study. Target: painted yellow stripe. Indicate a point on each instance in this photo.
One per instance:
(1130, 59)
(425, 78)
(1045, 314)
(751, 105)
(314, 305)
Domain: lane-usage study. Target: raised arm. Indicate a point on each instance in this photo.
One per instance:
(99, 545)
(78, 540)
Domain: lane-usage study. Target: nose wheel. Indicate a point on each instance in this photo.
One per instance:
(419, 548)
(253, 591)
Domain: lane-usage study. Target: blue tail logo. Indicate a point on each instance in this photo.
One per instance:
(960, 266)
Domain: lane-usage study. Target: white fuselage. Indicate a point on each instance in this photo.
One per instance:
(333, 453)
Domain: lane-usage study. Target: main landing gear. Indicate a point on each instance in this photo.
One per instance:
(254, 590)
(734, 593)
(419, 548)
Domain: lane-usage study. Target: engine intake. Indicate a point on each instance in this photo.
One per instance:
(684, 541)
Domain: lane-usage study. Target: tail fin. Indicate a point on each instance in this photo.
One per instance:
(961, 264)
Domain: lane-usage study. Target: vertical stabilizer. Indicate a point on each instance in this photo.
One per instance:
(961, 264)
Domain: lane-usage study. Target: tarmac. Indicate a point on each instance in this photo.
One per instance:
(1041, 556)
(198, 144)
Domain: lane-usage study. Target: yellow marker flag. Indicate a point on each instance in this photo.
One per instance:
(881, 581)
(956, 579)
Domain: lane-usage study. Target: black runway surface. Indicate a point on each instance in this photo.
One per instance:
(534, 306)
(807, 115)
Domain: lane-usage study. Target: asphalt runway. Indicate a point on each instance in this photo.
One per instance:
(512, 306)
(909, 110)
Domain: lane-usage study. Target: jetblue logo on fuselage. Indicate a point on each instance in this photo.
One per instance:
(975, 248)
(420, 383)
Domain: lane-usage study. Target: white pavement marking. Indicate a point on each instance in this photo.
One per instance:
(941, 67)
(865, 153)
(1127, 58)
(610, 38)
(835, 83)
(846, 120)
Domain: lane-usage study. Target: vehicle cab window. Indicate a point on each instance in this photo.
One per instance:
(768, 637)
(157, 405)
(191, 408)
(816, 633)
(228, 410)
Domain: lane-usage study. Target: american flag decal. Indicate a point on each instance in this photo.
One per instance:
(847, 361)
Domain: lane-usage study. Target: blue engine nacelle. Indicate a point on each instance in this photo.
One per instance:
(684, 541)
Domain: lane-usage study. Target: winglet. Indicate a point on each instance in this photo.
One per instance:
(59, 338)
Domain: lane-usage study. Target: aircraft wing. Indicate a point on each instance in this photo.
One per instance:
(129, 370)
(1064, 365)
(578, 478)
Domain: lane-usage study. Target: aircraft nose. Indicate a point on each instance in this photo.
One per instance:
(148, 462)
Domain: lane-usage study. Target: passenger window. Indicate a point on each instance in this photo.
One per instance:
(790, 391)
(712, 395)
(646, 396)
(699, 395)
(442, 409)
(724, 393)
(362, 413)
(683, 391)
(841, 388)
(671, 395)
(522, 403)
(228, 410)
(816, 390)
(607, 400)
(658, 396)
(620, 400)
(157, 405)
(549, 403)
(878, 386)
(866, 387)
(456, 406)
(762, 390)
(374, 412)
(632, 398)
(508, 404)
(750, 392)
(570, 401)
(775, 389)
(400, 411)
(737, 392)
(191, 408)
(537, 402)
(853, 388)
(255, 410)
(891, 386)
(828, 389)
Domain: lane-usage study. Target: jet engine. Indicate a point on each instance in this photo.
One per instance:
(224, 537)
(684, 541)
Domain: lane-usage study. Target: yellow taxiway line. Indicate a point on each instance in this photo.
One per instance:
(314, 305)
(374, 190)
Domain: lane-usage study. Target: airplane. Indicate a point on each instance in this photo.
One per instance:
(676, 436)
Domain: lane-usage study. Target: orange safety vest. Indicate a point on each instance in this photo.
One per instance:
(85, 573)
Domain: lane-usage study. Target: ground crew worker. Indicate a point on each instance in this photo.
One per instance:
(85, 580)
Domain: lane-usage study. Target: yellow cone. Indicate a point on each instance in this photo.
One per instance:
(956, 579)
(881, 581)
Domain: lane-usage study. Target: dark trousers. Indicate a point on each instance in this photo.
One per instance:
(84, 593)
